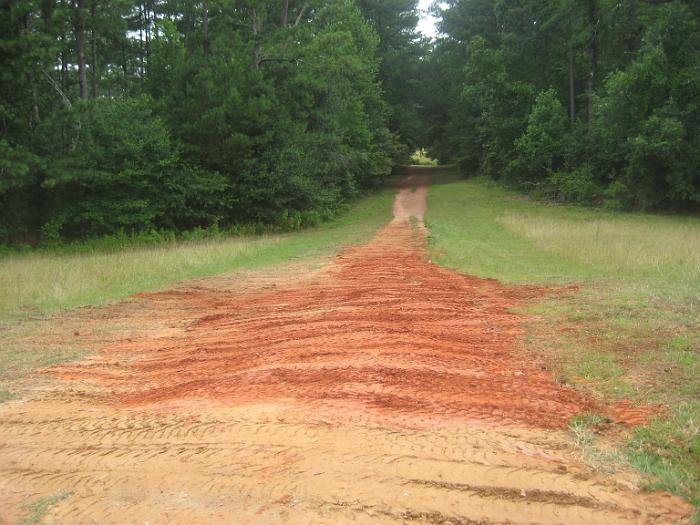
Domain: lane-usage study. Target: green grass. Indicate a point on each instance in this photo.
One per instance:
(38, 509)
(516, 240)
(46, 282)
(5, 393)
(584, 429)
(630, 329)
(669, 451)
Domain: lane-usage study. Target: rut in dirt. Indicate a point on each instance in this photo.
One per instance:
(386, 332)
(383, 389)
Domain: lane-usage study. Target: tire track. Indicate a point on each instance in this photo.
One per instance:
(383, 390)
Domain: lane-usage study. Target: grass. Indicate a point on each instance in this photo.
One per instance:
(46, 282)
(5, 393)
(584, 430)
(41, 507)
(628, 329)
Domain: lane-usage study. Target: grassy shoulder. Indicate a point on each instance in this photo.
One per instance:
(629, 332)
(47, 282)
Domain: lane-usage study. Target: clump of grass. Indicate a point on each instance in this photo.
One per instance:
(583, 429)
(668, 450)
(41, 507)
(5, 393)
(602, 370)
(599, 367)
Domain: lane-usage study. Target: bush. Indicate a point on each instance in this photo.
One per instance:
(577, 186)
(118, 169)
(542, 148)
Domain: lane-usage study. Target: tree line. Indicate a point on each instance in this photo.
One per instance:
(137, 115)
(591, 101)
(132, 115)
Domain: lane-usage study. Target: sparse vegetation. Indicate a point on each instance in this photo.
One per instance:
(584, 428)
(5, 393)
(41, 507)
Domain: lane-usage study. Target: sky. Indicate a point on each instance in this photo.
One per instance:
(427, 22)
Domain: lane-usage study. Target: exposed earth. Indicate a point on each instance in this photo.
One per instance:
(379, 388)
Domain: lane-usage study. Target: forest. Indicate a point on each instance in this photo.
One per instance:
(588, 101)
(133, 116)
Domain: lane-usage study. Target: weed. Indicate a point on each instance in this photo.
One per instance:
(583, 430)
(5, 393)
(41, 507)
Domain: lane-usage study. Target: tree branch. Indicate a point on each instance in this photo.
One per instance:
(66, 101)
(301, 14)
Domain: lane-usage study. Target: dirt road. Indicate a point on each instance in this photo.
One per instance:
(378, 389)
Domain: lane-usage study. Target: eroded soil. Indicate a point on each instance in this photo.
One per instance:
(380, 388)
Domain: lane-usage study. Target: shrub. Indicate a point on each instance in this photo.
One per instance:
(118, 169)
(542, 148)
(577, 185)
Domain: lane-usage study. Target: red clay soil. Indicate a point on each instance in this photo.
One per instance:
(385, 333)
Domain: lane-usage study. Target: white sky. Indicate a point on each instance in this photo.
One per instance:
(427, 22)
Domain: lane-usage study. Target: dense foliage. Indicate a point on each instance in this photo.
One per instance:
(139, 115)
(132, 115)
(592, 101)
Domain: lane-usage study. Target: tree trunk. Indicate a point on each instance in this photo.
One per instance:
(80, 42)
(125, 66)
(93, 61)
(47, 13)
(206, 31)
(633, 31)
(257, 48)
(64, 63)
(592, 57)
(285, 13)
(572, 86)
(141, 51)
(147, 27)
(154, 19)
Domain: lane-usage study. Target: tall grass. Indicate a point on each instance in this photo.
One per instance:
(657, 250)
(483, 229)
(49, 281)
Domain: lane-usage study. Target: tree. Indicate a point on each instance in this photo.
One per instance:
(627, 70)
(401, 52)
(80, 43)
(124, 114)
